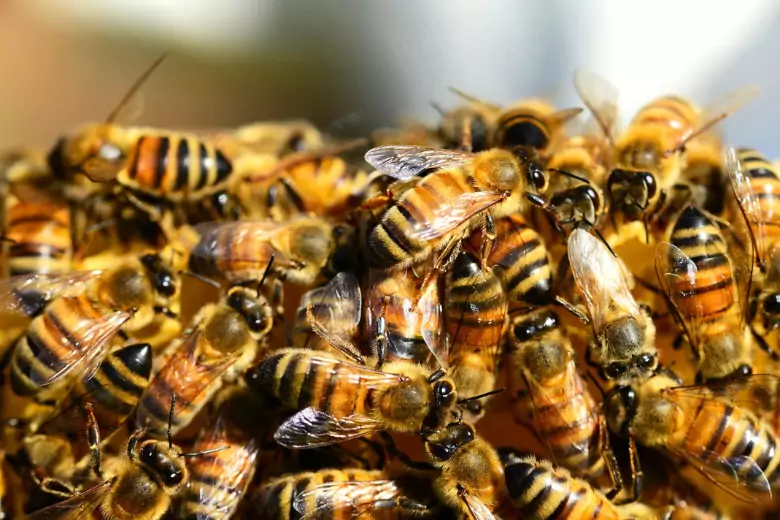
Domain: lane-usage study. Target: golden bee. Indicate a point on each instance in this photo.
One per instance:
(333, 493)
(224, 340)
(467, 127)
(706, 277)
(554, 398)
(475, 311)
(623, 345)
(445, 206)
(533, 122)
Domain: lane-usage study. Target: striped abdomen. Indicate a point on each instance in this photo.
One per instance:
(325, 186)
(523, 258)
(274, 499)
(304, 379)
(524, 126)
(175, 167)
(218, 480)
(713, 294)
(716, 428)
(475, 311)
(231, 251)
(672, 112)
(62, 333)
(541, 492)
(567, 418)
(391, 242)
(39, 238)
(765, 182)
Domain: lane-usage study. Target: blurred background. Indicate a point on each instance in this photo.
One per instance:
(65, 62)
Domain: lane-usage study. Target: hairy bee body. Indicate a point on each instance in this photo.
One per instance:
(533, 122)
(562, 411)
(40, 238)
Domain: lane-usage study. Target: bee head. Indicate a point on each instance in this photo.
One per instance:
(631, 191)
(443, 445)
(253, 308)
(163, 462)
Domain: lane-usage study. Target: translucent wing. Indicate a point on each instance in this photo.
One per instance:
(600, 278)
(26, 295)
(334, 312)
(99, 169)
(749, 201)
(77, 507)
(601, 97)
(403, 162)
(354, 498)
(717, 112)
(477, 509)
(757, 393)
(446, 217)
(428, 312)
(472, 100)
(738, 237)
(86, 342)
(312, 428)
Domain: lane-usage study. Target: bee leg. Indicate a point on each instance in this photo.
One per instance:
(488, 238)
(637, 476)
(55, 487)
(378, 450)
(393, 451)
(450, 251)
(560, 301)
(678, 341)
(610, 460)
(93, 439)
(763, 344)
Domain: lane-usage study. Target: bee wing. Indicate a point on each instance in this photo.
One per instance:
(456, 212)
(311, 428)
(356, 498)
(477, 508)
(600, 278)
(77, 507)
(404, 162)
(740, 246)
(92, 334)
(334, 312)
(475, 101)
(757, 393)
(716, 112)
(257, 232)
(600, 96)
(27, 294)
(429, 315)
(749, 203)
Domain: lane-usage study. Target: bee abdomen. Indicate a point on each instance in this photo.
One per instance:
(39, 234)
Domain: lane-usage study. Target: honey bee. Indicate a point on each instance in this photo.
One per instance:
(443, 207)
(341, 400)
(111, 394)
(521, 260)
(648, 155)
(713, 429)
(467, 127)
(472, 477)
(39, 237)
(276, 138)
(533, 123)
(337, 493)
(623, 345)
(707, 280)
(238, 252)
(71, 333)
(219, 480)
(475, 310)
(756, 184)
(153, 473)
(543, 492)
(224, 340)
(563, 413)
(408, 332)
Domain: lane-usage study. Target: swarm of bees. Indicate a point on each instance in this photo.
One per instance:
(525, 312)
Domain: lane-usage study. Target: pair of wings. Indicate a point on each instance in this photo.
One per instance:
(602, 279)
(407, 162)
(601, 98)
(334, 313)
(678, 275)
(738, 475)
(26, 295)
(78, 507)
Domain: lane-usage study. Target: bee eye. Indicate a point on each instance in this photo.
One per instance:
(771, 304)
(646, 362)
(537, 176)
(172, 478)
(614, 370)
(443, 390)
(165, 285)
(649, 182)
(743, 371)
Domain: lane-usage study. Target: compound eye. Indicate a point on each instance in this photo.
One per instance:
(173, 478)
(165, 285)
(646, 362)
(537, 176)
(771, 304)
(649, 181)
(614, 370)
(444, 390)
(743, 371)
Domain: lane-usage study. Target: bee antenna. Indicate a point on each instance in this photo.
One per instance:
(201, 278)
(598, 385)
(437, 107)
(480, 396)
(603, 241)
(265, 273)
(134, 88)
(569, 174)
(170, 420)
(204, 452)
(647, 230)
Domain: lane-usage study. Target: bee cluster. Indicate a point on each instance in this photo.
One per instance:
(254, 324)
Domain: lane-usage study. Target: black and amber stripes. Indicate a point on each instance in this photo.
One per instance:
(218, 480)
(540, 491)
(39, 238)
(63, 333)
(520, 252)
(392, 244)
(301, 379)
(174, 167)
(532, 123)
(714, 292)
(274, 500)
(765, 183)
